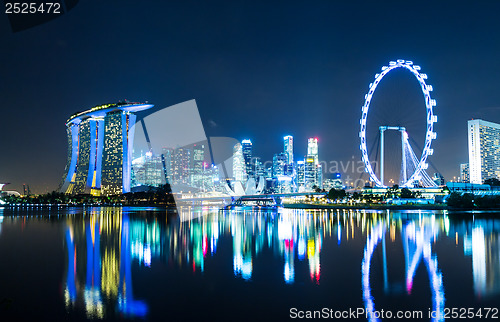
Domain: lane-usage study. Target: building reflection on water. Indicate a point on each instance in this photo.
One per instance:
(481, 242)
(100, 252)
(288, 234)
(417, 238)
(104, 243)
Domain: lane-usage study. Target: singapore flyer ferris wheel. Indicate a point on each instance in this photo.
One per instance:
(412, 168)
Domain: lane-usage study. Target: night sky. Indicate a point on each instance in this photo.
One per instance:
(257, 69)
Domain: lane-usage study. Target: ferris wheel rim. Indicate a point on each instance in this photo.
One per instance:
(431, 119)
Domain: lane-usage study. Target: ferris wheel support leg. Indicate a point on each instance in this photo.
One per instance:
(403, 149)
(382, 155)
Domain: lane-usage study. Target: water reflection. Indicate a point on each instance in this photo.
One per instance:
(417, 238)
(481, 242)
(104, 244)
(101, 250)
(287, 233)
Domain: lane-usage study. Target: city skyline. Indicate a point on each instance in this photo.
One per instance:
(101, 143)
(303, 70)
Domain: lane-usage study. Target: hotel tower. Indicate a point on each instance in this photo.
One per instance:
(484, 150)
(100, 142)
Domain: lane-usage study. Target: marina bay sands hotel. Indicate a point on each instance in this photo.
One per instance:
(100, 142)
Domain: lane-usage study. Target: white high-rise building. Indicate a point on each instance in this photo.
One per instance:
(312, 149)
(484, 150)
(288, 148)
(239, 168)
(246, 146)
(312, 167)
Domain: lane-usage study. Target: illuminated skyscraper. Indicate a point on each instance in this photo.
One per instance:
(117, 145)
(279, 164)
(309, 172)
(300, 173)
(464, 172)
(313, 174)
(197, 163)
(258, 168)
(166, 159)
(154, 170)
(239, 168)
(181, 166)
(246, 146)
(312, 149)
(484, 150)
(100, 149)
(288, 148)
(319, 176)
(211, 178)
(147, 170)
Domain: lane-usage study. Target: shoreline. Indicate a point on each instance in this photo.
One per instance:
(173, 208)
(45, 205)
(390, 207)
(361, 206)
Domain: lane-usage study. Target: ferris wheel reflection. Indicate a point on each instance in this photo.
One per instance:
(417, 241)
